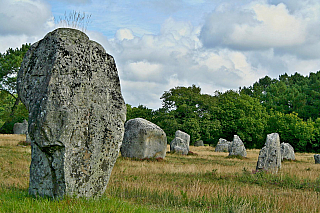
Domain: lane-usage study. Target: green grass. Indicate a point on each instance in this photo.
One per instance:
(14, 199)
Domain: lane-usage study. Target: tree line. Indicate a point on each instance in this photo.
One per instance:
(288, 105)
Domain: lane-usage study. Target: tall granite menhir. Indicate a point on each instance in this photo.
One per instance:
(71, 88)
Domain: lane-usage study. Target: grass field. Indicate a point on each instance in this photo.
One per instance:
(204, 182)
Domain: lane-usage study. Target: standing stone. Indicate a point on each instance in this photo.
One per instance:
(237, 147)
(71, 88)
(180, 144)
(20, 128)
(223, 145)
(270, 155)
(199, 143)
(287, 151)
(143, 139)
(317, 159)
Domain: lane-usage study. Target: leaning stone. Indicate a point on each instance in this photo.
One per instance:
(270, 155)
(199, 143)
(20, 128)
(317, 159)
(71, 88)
(184, 136)
(178, 145)
(223, 145)
(237, 147)
(143, 139)
(287, 152)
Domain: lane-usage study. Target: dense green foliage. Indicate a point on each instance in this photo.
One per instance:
(288, 105)
(11, 109)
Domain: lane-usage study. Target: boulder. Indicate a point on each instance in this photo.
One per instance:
(287, 152)
(71, 89)
(223, 145)
(180, 144)
(317, 159)
(270, 155)
(143, 139)
(237, 147)
(199, 143)
(20, 128)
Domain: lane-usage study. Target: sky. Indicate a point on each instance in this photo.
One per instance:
(162, 44)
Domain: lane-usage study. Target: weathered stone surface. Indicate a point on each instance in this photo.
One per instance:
(237, 147)
(199, 143)
(270, 155)
(184, 136)
(317, 159)
(223, 145)
(287, 151)
(71, 88)
(180, 144)
(20, 128)
(143, 139)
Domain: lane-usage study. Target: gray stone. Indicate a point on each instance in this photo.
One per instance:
(143, 139)
(317, 159)
(270, 155)
(20, 128)
(184, 136)
(237, 147)
(180, 144)
(71, 88)
(287, 152)
(199, 143)
(223, 145)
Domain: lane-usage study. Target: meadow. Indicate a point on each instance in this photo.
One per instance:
(205, 181)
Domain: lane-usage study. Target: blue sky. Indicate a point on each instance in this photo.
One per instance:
(161, 44)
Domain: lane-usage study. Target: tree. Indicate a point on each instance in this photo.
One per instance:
(244, 116)
(10, 62)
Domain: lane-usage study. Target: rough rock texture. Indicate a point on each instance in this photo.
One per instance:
(71, 88)
(317, 158)
(237, 147)
(223, 145)
(199, 143)
(20, 128)
(180, 144)
(287, 151)
(270, 155)
(143, 139)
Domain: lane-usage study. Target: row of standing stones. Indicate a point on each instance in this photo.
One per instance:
(77, 114)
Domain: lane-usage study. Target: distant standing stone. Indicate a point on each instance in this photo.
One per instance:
(223, 145)
(317, 158)
(287, 151)
(270, 155)
(20, 128)
(199, 143)
(71, 88)
(143, 139)
(237, 147)
(180, 144)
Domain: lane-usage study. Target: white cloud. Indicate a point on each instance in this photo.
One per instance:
(122, 34)
(254, 26)
(28, 17)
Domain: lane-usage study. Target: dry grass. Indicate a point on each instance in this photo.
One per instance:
(191, 175)
(11, 139)
(208, 181)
